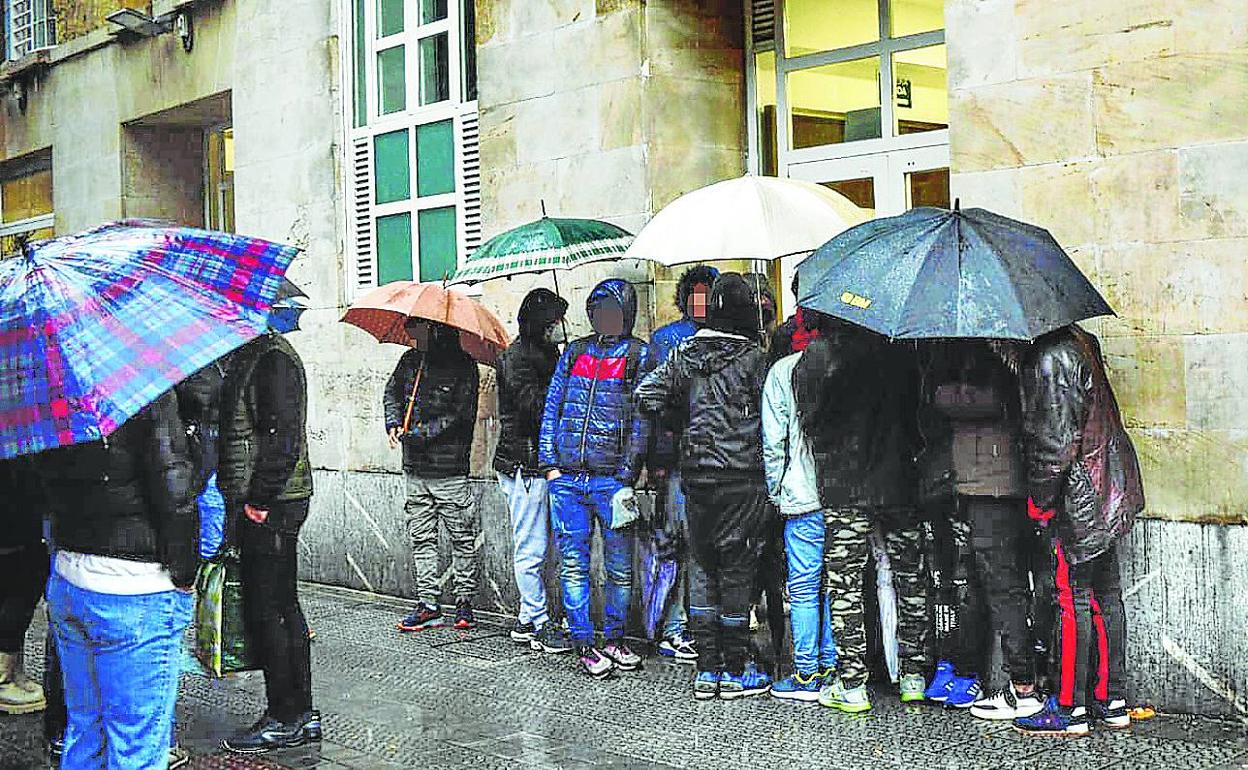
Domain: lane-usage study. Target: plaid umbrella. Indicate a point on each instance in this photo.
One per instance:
(95, 326)
(546, 244)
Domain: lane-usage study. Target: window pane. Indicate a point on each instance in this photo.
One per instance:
(765, 85)
(860, 191)
(437, 243)
(435, 84)
(468, 44)
(26, 196)
(921, 93)
(391, 81)
(391, 167)
(435, 158)
(389, 17)
(394, 248)
(361, 59)
(835, 103)
(910, 17)
(432, 10)
(811, 26)
(928, 188)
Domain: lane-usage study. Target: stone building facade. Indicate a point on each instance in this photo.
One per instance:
(1116, 125)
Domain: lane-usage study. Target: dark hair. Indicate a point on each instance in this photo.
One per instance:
(698, 274)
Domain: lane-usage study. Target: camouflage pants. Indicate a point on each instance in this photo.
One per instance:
(846, 551)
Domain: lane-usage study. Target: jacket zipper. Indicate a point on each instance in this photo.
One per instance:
(589, 407)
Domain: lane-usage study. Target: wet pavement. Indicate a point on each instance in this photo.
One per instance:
(449, 699)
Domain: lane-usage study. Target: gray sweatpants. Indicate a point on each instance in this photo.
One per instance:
(450, 501)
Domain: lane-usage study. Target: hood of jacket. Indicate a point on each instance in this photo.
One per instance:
(619, 291)
(713, 350)
(539, 309)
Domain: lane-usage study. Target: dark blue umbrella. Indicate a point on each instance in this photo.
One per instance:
(933, 273)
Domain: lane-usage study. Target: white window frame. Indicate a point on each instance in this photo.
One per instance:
(34, 21)
(465, 199)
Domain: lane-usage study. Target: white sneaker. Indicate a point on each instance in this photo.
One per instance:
(1007, 703)
(679, 647)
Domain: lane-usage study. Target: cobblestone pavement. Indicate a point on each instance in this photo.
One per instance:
(449, 699)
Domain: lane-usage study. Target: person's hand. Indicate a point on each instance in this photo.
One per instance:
(394, 437)
(258, 515)
(553, 474)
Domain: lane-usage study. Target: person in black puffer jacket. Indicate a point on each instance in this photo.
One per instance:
(857, 397)
(524, 373)
(24, 567)
(710, 389)
(126, 530)
(431, 409)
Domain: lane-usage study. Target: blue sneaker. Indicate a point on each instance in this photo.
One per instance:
(798, 688)
(751, 682)
(1055, 720)
(963, 693)
(706, 685)
(942, 682)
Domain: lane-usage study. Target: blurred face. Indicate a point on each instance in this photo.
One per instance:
(419, 332)
(555, 334)
(696, 303)
(608, 320)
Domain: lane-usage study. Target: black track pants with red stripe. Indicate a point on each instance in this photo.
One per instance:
(1091, 629)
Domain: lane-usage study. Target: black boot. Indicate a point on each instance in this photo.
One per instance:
(266, 735)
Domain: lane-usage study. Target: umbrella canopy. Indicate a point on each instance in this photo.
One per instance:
(546, 244)
(752, 217)
(384, 311)
(934, 273)
(94, 327)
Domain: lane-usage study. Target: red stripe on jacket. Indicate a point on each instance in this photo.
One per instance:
(596, 368)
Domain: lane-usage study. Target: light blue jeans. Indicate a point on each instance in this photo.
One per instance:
(809, 613)
(576, 501)
(529, 504)
(120, 660)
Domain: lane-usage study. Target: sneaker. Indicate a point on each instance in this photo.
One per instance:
(464, 619)
(754, 624)
(942, 682)
(523, 633)
(56, 746)
(1055, 720)
(912, 687)
(551, 638)
(1112, 713)
(750, 682)
(963, 693)
(706, 685)
(178, 757)
(623, 658)
(798, 688)
(311, 724)
(851, 700)
(425, 616)
(265, 735)
(679, 647)
(597, 665)
(1007, 703)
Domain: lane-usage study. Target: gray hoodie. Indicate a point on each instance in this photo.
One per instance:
(788, 460)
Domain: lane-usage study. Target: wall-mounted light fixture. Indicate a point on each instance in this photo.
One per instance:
(139, 23)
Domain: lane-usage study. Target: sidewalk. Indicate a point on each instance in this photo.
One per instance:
(446, 699)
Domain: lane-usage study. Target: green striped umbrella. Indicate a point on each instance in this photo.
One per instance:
(547, 244)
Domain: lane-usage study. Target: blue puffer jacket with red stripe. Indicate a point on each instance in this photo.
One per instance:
(589, 423)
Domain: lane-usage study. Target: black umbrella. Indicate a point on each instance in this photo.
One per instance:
(934, 273)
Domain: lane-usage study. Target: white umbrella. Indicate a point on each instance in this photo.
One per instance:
(752, 217)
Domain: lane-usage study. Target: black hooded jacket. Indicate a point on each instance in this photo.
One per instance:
(524, 372)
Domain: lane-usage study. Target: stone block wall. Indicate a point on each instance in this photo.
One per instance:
(1119, 126)
(75, 18)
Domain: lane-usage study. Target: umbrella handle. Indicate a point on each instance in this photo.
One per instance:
(411, 401)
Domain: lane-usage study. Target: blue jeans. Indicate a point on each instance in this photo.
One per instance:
(529, 504)
(676, 617)
(813, 645)
(576, 500)
(120, 659)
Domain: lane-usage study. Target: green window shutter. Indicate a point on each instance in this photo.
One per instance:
(435, 158)
(389, 17)
(391, 80)
(361, 80)
(392, 167)
(394, 248)
(437, 243)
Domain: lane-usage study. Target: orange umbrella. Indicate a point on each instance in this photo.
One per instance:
(384, 310)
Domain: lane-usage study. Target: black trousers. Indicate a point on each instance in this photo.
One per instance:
(1001, 545)
(728, 530)
(23, 575)
(1091, 629)
(275, 623)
